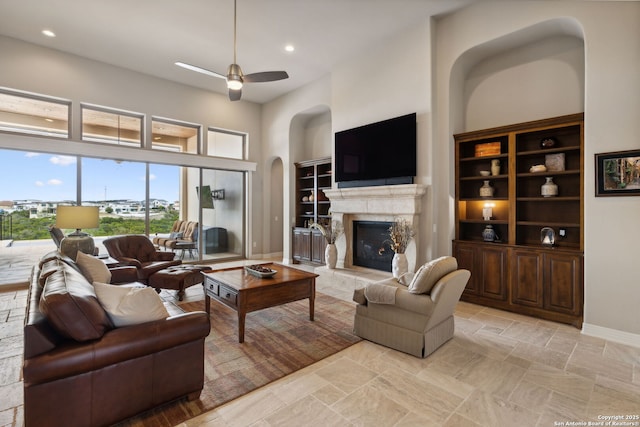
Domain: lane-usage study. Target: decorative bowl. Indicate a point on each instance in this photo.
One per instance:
(538, 168)
(485, 173)
(260, 271)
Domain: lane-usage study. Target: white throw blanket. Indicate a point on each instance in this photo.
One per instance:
(380, 294)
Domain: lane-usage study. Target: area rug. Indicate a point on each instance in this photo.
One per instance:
(278, 341)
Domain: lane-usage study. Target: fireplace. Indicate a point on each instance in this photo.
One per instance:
(373, 205)
(368, 239)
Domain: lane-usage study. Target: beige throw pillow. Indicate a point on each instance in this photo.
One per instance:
(429, 274)
(92, 268)
(130, 305)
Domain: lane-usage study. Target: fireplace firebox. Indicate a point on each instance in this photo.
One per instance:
(371, 246)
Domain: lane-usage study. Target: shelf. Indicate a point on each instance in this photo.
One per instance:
(483, 178)
(549, 199)
(548, 151)
(547, 173)
(548, 224)
(482, 221)
(484, 158)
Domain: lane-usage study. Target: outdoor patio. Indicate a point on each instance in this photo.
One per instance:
(17, 257)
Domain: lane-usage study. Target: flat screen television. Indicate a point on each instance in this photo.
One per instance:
(380, 153)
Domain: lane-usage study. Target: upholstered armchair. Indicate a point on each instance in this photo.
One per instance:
(416, 317)
(138, 251)
(177, 228)
(187, 241)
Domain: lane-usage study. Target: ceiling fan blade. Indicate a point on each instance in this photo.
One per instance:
(200, 70)
(265, 76)
(234, 95)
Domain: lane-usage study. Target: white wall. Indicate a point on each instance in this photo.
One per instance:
(535, 81)
(363, 89)
(612, 42)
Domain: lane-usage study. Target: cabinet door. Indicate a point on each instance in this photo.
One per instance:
(318, 244)
(563, 283)
(301, 244)
(494, 271)
(527, 278)
(488, 266)
(466, 256)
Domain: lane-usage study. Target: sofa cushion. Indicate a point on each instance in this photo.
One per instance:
(130, 305)
(93, 269)
(69, 303)
(429, 274)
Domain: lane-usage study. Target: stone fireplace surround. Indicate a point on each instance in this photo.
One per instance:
(381, 203)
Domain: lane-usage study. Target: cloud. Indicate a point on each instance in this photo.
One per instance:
(54, 181)
(63, 160)
(39, 184)
(31, 154)
(151, 177)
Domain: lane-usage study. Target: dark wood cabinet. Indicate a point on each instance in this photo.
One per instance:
(308, 245)
(516, 270)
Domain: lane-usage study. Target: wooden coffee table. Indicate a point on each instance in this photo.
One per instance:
(244, 293)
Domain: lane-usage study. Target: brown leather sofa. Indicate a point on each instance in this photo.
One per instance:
(79, 370)
(138, 251)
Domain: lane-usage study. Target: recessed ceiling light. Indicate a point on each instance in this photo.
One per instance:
(289, 48)
(48, 33)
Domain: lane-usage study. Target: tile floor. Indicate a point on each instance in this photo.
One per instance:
(500, 369)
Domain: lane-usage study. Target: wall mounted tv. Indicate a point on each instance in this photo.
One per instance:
(382, 153)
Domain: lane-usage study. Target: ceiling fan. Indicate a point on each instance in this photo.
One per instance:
(234, 77)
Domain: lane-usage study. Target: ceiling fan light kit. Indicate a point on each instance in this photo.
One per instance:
(234, 77)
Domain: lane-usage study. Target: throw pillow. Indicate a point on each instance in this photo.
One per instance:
(130, 305)
(429, 274)
(92, 268)
(176, 235)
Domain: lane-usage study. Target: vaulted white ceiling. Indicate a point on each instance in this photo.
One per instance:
(149, 36)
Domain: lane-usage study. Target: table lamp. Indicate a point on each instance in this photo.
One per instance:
(77, 217)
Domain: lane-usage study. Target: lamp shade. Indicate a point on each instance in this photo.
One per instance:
(77, 217)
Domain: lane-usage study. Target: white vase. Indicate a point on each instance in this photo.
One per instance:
(399, 265)
(486, 190)
(331, 255)
(549, 188)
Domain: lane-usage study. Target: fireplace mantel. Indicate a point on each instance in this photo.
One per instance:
(385, 199)
(381, 203)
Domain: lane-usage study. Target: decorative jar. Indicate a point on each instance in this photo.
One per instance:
(549, 188)
(486, 190)
(488, 234)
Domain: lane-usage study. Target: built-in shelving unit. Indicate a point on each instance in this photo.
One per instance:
(515, 270)
(312, 205)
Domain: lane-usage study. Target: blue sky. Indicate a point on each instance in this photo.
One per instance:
(51, 177)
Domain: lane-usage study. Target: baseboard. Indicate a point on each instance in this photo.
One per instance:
(611, 334)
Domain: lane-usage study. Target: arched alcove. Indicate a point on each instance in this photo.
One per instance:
(534, 73)
(310, 137)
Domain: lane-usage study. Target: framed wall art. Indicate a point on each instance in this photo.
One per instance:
(618, 173)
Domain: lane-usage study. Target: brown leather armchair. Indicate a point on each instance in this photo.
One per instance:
(138, 251)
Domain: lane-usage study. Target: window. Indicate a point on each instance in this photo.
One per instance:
(33, 114)
(226, 144)
(111, 126)
(174, 136)
(38, 182)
